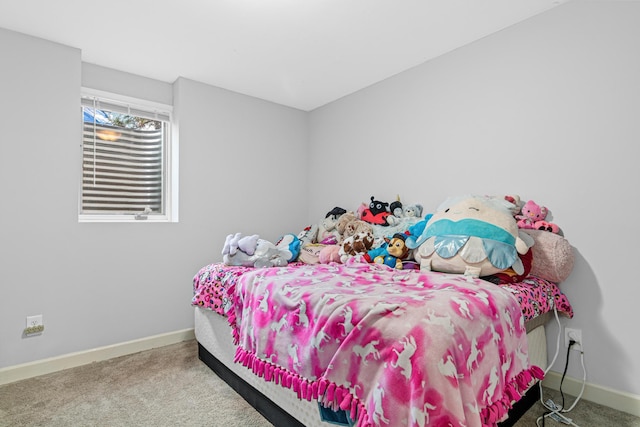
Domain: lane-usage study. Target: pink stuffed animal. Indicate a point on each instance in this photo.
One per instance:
(533, 217)
(330, 253)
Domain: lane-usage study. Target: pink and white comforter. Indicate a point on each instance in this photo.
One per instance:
(391, 347)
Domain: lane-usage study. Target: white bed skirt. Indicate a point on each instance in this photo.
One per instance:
(214, 334)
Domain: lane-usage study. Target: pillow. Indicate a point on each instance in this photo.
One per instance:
(553, 256)
(309, 253)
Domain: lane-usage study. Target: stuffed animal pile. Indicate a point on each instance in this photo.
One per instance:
(495, 237)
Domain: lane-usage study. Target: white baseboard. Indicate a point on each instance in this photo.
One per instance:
(619, 400)
(46, 366)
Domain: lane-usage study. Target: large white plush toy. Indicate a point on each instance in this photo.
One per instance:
(472, 235)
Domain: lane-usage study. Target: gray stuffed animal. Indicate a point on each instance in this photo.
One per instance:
(251, 251)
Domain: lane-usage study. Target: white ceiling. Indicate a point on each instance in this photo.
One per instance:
(299, 53)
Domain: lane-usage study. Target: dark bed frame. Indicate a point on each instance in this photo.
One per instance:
(280, 418)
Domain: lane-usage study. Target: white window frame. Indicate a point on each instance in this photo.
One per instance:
(170, 178)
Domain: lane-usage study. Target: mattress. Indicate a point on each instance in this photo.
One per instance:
(213, 333)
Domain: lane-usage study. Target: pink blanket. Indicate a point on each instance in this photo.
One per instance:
(535, 295)
(391, 347)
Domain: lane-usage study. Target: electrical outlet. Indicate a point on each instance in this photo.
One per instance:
(575, 335)
(35, 325)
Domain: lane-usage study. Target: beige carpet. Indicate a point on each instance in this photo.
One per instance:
(585, 414)
(169, 386)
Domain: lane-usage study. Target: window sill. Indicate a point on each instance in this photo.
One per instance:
(122, 218)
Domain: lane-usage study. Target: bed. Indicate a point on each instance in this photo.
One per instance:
(357, 342)
(217, 340)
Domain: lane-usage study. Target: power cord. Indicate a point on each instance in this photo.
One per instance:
(555, 356)
(554, 411)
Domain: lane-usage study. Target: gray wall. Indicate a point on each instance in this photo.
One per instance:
(241, 163)
(547, 109)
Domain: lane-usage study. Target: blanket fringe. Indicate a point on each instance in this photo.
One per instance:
(497, 411)
(328, 393)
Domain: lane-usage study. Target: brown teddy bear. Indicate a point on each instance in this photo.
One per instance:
(349, 224)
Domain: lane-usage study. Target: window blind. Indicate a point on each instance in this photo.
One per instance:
(122, 167)
(125, 108)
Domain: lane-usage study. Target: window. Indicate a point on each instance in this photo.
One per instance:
(126, 159)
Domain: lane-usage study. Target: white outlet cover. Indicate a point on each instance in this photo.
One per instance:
(34, 320)
(576, 333)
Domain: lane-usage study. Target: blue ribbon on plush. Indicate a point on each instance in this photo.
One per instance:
(451, 236)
